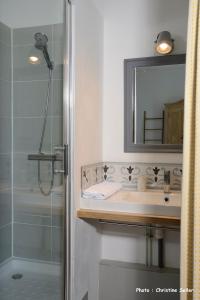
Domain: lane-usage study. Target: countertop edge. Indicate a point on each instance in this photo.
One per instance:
(125, 217)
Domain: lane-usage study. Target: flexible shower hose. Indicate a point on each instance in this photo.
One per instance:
(48, 97)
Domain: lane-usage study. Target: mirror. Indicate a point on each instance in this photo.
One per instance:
(154, 104)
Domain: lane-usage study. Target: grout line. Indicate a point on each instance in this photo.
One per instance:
(5, 189)
(36, 261)
(12, 145)
(36, 117)
(26, 45)
(51, 109)
(30, 152)
(5, 117)
(33, 80)
(36, 225)
(6, 153)
(30, 44)
(35, 216)
(4, 81)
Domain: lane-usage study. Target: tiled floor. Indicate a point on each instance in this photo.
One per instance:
(32, 286)
(127, 277)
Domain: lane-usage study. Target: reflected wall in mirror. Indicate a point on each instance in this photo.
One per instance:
(154, 104)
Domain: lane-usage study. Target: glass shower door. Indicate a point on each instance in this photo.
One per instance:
(32, 201)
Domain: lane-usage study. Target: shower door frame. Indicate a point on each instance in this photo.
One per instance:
(67, 142)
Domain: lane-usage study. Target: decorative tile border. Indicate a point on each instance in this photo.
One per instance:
(127, 174)
(91, 174)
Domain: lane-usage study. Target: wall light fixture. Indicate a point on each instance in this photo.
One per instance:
(164, 44)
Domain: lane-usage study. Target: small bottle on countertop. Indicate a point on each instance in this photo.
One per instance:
(166, 186)
(141, 183)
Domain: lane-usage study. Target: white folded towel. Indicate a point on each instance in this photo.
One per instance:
(101, 191)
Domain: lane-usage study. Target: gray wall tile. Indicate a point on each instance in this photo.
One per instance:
(31, 241)
(5, 62)
(29, 98)
(5, 96)
(26, 172)
(5, 171)
(57, 131)
(5, 135)
(5, 207)
(25, 36)
(23, 70)
(57, 244)
(31, 207)
(58, 33)
(5, 34)
(57, 102)
(5, 242)
(58, 71)
(27, 134)
(57, 208)
(58, 55)
(28, 218)
(5, 143)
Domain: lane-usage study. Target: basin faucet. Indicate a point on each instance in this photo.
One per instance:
(166, 186)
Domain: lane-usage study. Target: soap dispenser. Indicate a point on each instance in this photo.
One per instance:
(141, 183)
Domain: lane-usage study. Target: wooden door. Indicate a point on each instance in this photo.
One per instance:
(173, 122)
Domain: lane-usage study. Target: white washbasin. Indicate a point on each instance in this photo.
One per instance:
(154, 202)
(149, 197)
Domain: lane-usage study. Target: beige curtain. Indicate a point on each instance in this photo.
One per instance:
(190, 219)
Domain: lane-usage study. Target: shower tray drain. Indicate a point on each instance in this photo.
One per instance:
(17, 276)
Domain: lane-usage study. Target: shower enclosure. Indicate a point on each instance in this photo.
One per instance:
(33, 150)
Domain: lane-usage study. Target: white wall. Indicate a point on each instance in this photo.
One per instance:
(128, 244)
(88, 87)
(27, 13)
(130, 28)
(88, 38)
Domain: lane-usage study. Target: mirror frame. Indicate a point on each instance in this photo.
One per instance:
(129, 91)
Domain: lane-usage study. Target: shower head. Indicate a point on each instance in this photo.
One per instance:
(41, 41)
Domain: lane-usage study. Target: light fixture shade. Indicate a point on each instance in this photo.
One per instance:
(34, 56)
(164, 44)
(34, 60)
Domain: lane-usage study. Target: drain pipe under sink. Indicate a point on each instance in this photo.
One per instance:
(159, 235)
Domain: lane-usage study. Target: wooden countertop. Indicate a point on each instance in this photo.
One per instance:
(125, 217)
